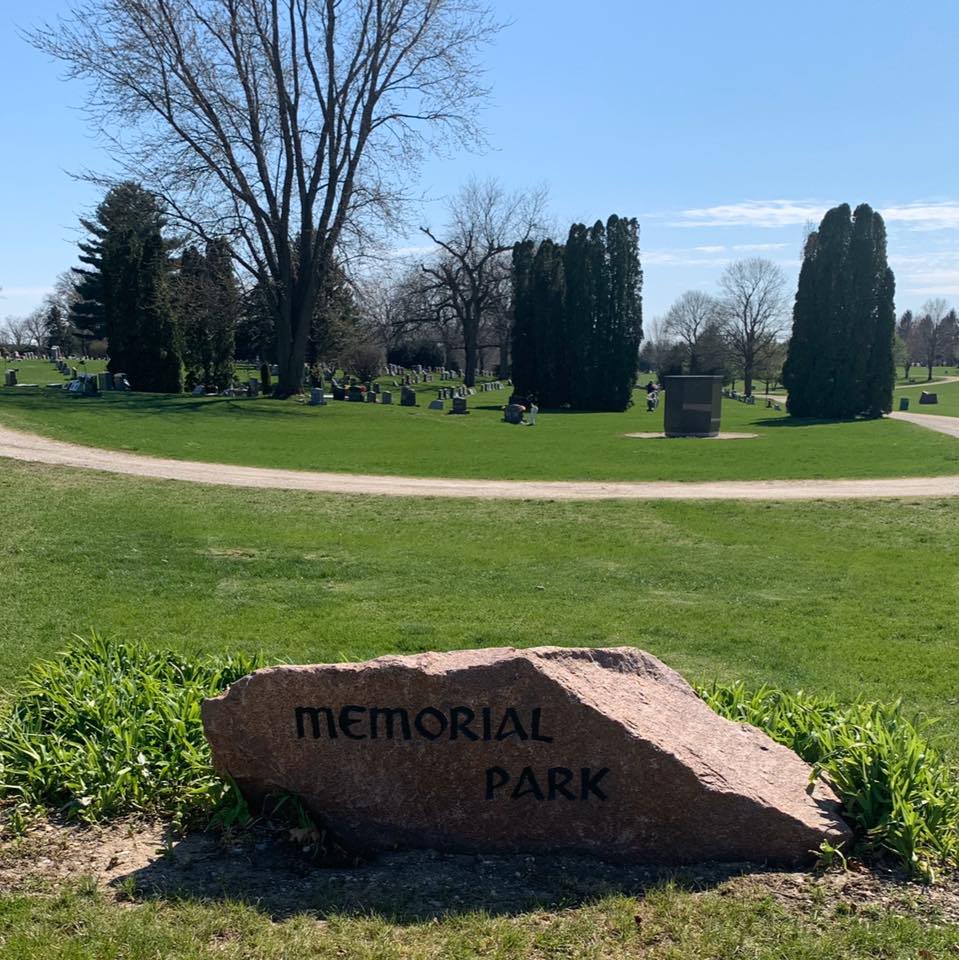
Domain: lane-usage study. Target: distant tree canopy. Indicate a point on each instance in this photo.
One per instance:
(124, 290)
(577, 317)
(841, 355)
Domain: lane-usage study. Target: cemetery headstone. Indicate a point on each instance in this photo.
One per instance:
(387, 397)
(554, 750)
(316, 397)
(407, 397)
(459, 405)
(925, 397)
(437, 404)
(514, 413)
(693, 406)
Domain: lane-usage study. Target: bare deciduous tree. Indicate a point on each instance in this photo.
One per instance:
(14, 331)
(934, 334)
(283, 124)
(687, 320)
(753, 309)
(472, 270)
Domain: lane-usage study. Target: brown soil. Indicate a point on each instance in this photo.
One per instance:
(135, 861)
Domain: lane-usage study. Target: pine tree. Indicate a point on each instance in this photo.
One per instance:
(124, 290)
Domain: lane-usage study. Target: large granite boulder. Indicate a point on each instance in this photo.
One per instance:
(602, 751)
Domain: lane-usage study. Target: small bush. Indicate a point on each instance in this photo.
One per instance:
(111, 728)
(898, 791)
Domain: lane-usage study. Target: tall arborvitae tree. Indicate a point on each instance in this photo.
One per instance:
(624, 314)
(841, 362)
(124, 289)
(547, 294)
(877, 311)
(577, 322)
(523, 347)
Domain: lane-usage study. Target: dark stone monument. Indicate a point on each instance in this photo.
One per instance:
(693, 406)
(926, 397)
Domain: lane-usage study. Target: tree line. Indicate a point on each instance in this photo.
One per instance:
(577, 317)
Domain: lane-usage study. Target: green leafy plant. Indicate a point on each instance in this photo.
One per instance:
(110, 728)
(898, 790)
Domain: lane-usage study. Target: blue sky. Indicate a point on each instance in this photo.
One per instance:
(723, 126)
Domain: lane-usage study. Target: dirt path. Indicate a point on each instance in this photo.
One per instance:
(36, 449)
(930, 384)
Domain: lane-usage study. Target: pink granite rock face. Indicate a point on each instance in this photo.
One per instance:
(550, 749)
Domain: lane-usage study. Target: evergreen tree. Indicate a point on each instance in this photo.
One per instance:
(523, 347)
(624, 314)
(124, 289)
(57, 328)
(208, 306)
(577, 317)
(840, 362)
(550, 386)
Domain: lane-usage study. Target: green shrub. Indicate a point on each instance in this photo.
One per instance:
(898, 791)
(111, 728)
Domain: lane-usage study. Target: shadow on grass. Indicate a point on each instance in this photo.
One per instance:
(402, 888)
(800, 422)
(147, 403)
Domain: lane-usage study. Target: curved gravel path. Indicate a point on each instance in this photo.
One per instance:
(32, 448)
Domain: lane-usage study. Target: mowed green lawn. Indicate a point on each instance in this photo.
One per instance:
(44, 372)
(364, 438)
(947, 393)
(851, 598)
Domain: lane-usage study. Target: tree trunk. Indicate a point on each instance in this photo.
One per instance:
(748, 382)
(470, 351)
(291, 355)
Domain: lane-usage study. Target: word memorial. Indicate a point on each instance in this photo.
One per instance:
(551, 749)
(431, 723)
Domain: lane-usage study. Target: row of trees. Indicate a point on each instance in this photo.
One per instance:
(577, 317)
(290, 127)
(734, 333)
(929, 338)
(169, 320)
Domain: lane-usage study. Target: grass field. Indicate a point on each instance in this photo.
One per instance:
(847, 598)
(363, 438)
(948, 405)
(44, 372)
(853, 598)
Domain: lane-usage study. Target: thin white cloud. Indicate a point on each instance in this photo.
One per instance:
(772, 214)
(933, 274)
(710, 249)
(757, 247)
(925, 216)
(682, 258)
(753, 213)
